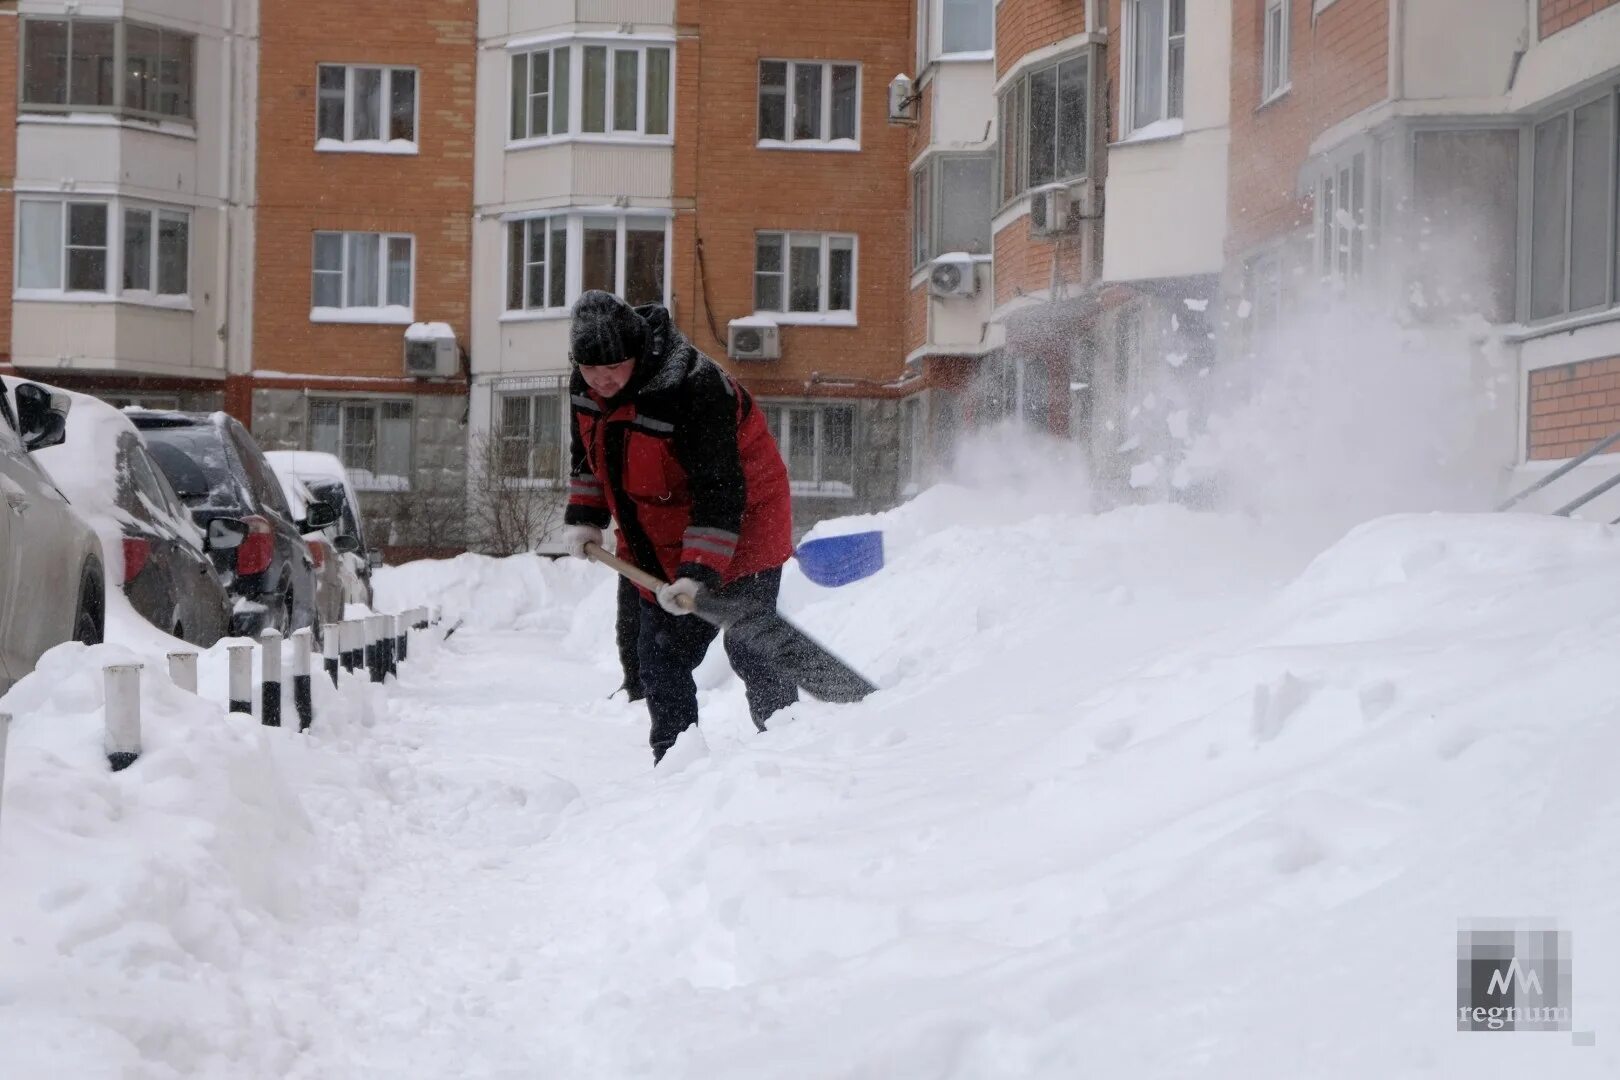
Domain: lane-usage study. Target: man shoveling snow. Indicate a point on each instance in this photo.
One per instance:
(667, 444)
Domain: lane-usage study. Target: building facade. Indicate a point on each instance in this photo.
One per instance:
(896, 221)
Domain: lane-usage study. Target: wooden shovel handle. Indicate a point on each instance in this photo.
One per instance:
(634, 573)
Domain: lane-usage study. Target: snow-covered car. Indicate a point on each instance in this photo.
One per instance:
(220, 472)
(150, 546)
(330, 594)
(52, 587)
(327, 479)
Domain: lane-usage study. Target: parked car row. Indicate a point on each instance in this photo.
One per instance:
(205, 534)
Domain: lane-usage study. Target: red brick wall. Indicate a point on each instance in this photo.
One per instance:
(300, 191)
(1572, 407)
(1337, 67)
(917, 318)
(8, 166)
(1024, 263)
(739, 189)
(1022, 26)
(1559, 15)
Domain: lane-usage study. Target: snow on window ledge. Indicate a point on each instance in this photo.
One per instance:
(965, 57)
(377, 316)
(145, 300)
(365, 480)
(802, 318)
(621, 138)
(1155, 132)
(179, 129)
(830, 488)
(366, 146)
(837, 146)
(536, 315)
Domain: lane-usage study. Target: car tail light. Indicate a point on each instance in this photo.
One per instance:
(317, 552)
(253, 556)
(137, 549)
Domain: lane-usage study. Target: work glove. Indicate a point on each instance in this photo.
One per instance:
(575, 537)
(669, 595)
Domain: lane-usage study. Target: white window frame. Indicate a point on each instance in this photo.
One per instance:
(1167, 124)
(826, 143)
(576, 45)
(914, 443)
(931, 36)
(1527, 230)
(1017, 90)
(575, 270)
(118, 107)
(156, 215)
(113, 286)
(928, 208)
(361, 479)
(823, 316)
(818, 486)
(1274, 74)
(1340, 245)
(349, 144)
(382, 314)
(558, 390)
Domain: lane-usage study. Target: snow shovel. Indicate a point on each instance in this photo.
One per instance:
(765, 631)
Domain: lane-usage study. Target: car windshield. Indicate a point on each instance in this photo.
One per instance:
(195, 461)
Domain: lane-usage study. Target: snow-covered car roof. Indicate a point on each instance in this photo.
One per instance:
(93, 471)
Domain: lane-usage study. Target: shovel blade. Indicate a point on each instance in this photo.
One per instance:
(767, 634)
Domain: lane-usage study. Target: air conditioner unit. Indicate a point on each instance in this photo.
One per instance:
(1050, 211)
(431, 352)
(953, 276)
(749, 339)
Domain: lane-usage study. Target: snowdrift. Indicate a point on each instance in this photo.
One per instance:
(1145, 794)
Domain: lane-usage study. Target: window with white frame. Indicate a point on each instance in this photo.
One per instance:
(1045, 125)
(540, 92)
(371, 436)
(953, 202)
(817, 442)
(107, 65)
(954, 28)
(1574, 262)
(809, 105)
(359, 107)
(606, 89)
(532, 433)
(1156, 62)
(1342, 217)
(552, 258)
(805, 277)
(913, 443)
(363, 277)
(1274, 57)
(104, 247)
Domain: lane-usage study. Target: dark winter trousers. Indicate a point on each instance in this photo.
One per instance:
(670, 648)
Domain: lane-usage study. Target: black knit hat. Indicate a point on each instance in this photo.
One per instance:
(606, 330)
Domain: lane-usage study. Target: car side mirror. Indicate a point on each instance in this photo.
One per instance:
(42, 416)
(317, 517)
(226, 534)
(347, 544)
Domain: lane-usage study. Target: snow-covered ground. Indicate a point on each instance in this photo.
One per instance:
(1145, 794)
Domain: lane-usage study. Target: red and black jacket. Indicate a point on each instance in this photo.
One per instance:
(684, 462)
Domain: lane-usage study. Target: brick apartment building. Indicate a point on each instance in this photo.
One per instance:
(1063, 208)
(727, 159)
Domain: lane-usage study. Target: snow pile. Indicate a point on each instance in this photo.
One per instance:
(522, 592)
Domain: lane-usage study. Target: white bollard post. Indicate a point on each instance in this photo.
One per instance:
(183, 670)
(374, 649)
(122, 684)
(332, 650)
(270, 678)
(241, 662)
(303, 695)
